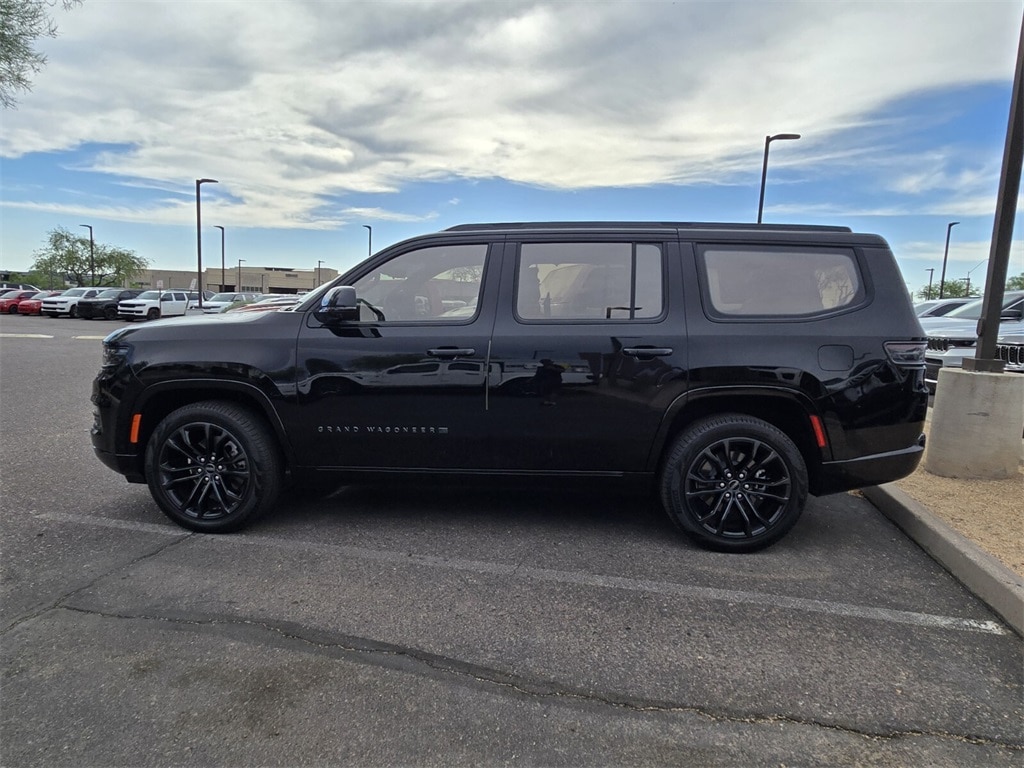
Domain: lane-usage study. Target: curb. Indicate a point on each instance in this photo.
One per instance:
(992, 582)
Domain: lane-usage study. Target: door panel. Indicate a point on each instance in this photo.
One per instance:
(404, 387)
(590, 351)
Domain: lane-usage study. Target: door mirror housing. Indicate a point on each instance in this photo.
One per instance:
(338, 305)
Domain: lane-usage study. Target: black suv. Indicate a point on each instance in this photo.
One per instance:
(104, 305)
(737, 368)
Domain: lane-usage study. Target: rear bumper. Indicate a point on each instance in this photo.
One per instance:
(880, 468)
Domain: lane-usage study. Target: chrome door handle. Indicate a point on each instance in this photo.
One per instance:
(647, 351)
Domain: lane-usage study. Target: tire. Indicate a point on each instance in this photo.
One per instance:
(153, 314)
(73, 311)
(734, 483)
(213, 467)
(13, 310)
(110, 313)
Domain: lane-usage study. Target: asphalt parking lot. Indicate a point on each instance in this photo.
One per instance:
(460, 626)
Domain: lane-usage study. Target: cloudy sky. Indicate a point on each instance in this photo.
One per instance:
(318, 118)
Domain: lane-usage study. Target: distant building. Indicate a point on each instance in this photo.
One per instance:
(255, 279)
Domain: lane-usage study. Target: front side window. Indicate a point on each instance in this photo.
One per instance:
(780, 282)
(589, 281)
(440, 283)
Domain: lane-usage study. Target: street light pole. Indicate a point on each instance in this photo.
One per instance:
(218, 226)
(92, 254)
(369, 244)
(764, 166)
(969, 276)
(931, 274)
(318, 273)
(945, 255)
(199, 239)
(238, 285)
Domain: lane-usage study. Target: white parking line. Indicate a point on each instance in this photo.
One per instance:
(579, 578)
(46, 336)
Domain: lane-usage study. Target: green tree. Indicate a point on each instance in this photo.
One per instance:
(956, 289)
(953, 289)
(22, 23)
(69, 254)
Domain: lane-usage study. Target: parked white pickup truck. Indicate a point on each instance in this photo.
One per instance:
(153, 304)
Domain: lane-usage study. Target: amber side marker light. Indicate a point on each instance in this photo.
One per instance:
(819, 431)
(136, 423)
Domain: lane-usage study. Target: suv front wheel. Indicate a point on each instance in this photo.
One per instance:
(734, 483)
(213, 466)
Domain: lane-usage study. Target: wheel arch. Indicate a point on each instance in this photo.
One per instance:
(159, 400)
(788, 411)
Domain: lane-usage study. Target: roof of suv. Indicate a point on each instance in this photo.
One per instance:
(634, 225)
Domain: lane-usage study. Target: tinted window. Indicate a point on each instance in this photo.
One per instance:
(589, 281)
(780, 282)
(441, 283)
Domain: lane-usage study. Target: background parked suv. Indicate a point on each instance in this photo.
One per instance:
(150, 305)
(734, 368)
(955, 336)
(67, 302)
(104, 305)
(221, 301)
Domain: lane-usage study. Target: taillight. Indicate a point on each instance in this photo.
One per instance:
(906, 354)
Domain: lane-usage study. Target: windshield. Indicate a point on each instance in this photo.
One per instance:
(110, 293)
(970, 311)
(149, 295)
(973, 310)
(222, 297)
(74, 292)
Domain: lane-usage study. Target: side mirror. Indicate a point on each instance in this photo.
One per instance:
(1012, 314)
(338, 305)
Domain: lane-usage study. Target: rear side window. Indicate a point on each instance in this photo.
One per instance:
(589, 281)
(780, 282)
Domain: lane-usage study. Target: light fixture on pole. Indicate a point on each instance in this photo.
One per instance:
(369, 243)
(931, 274)
(968, 293)
(318, 273)
(218, 226)
(238, 285)
(92, 254)
(764, 167)
(945, 255)
(199, 239)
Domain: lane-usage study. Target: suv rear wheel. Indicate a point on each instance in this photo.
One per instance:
(213, 466)
(734, 483)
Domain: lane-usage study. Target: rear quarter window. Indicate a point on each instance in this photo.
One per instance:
(783, 282)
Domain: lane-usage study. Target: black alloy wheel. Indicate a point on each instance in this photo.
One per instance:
(110, 313)
(734, 483)
(153, 313)
(213, 467)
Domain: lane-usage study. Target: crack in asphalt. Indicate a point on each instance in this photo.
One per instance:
(413, 660)
(59, 601)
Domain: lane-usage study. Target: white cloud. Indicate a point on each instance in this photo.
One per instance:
(293, 105)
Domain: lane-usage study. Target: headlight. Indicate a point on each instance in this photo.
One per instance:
(114, 355)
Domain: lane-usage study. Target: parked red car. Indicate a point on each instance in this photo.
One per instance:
(34, 305)
(9, 301)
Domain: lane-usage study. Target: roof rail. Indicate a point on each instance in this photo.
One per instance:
(645, 225)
